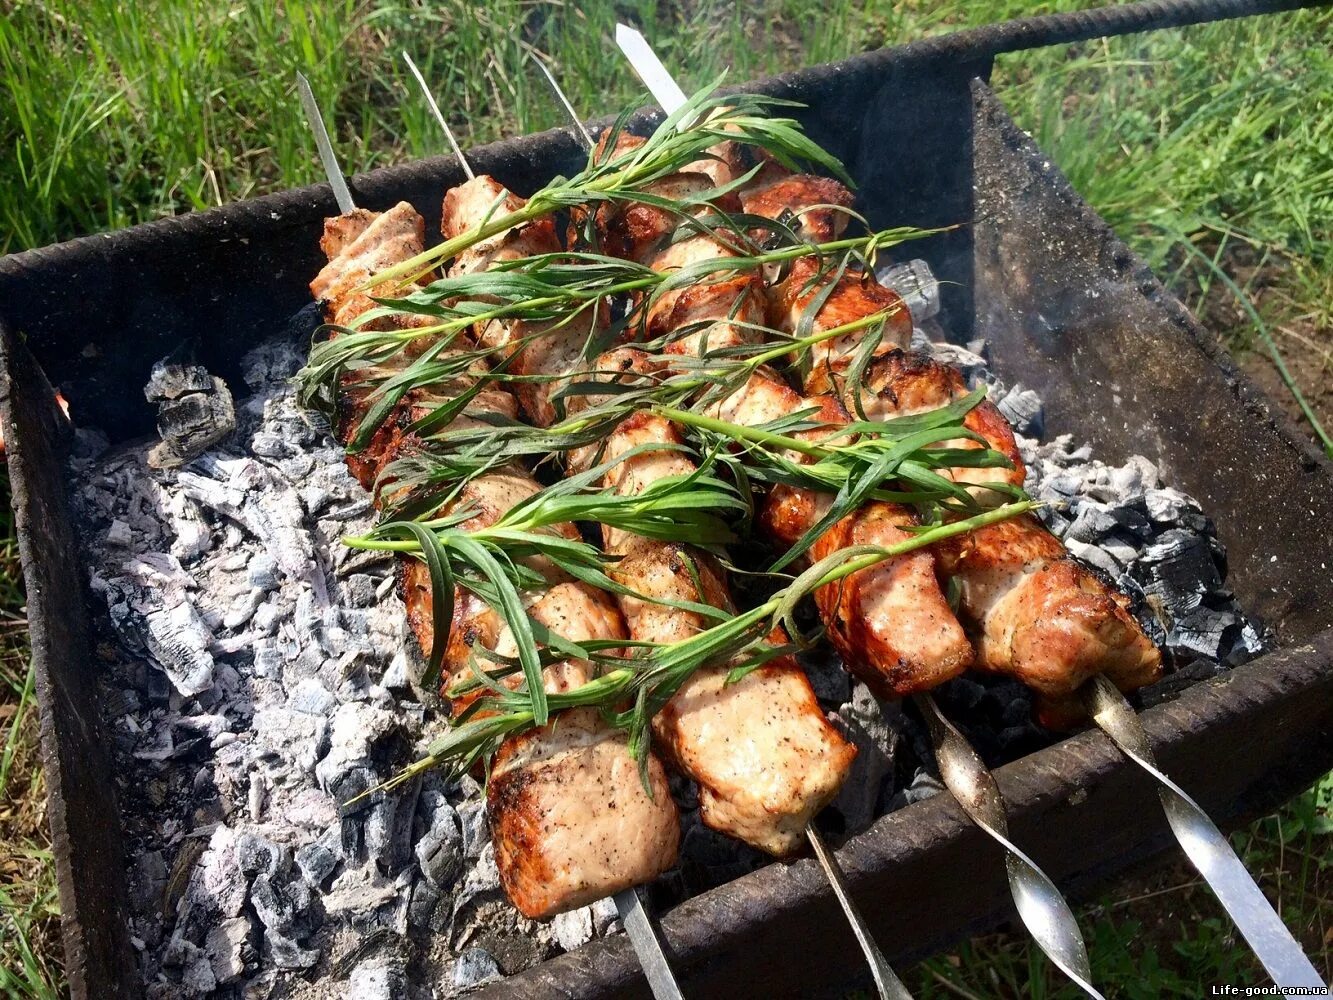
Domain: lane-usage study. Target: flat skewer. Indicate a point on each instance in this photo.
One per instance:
(579, 127)
(887, 983)
(1042, 908)
(629, 904)
(341, 192)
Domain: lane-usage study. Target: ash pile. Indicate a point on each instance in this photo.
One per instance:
(258, 677)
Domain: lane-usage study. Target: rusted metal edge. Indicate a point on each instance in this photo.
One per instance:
(75, 753)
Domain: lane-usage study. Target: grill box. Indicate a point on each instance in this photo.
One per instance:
(1126, 369)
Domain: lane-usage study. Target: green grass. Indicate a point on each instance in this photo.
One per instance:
(1210, 149)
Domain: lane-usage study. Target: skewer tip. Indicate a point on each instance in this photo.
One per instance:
(439, 116)
(574, 119)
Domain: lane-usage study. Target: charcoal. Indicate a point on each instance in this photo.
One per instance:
(476, 833)
(864, 723)
(378, 831)
(1094, 556)
(832, 684)
(311, 697)
(119, 534)
(396, 675)
(258, 856)
(1179, 566)
(273, 909)
(482, 881)
(169, 380)
(202, 725)
(605, 917)
(358, 890)
(425, 900)
(198, 979)
(573, 929)
(474, 967)
(316, 862)
(177, 638)
(1023, 409)
(923, 786)
(268, 445)
(227, 947)
(360, 590)
(194, 411)
(1121, 547)
(1092, 523)
(379, 979)
(287, 953)
(263, 572)
(217, 884)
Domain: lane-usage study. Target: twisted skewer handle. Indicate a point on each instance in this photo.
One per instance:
(1042, 908)
(1205, 846)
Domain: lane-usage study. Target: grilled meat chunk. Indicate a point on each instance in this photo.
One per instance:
(570, 819)
(890, 622)
(765, 757)
(804, 296)
(1039, 614)
(816, 207)
(721, 735)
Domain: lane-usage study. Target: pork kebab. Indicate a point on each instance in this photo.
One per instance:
(570, 818)
(765, 758)
(1032, 610)
(1035, 613)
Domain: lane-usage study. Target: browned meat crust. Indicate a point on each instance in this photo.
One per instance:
(1039, 615)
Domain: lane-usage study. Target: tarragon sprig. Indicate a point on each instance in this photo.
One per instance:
(546, 292)
(704, 120)
(632, 690)
(858, 461)
(500, 562)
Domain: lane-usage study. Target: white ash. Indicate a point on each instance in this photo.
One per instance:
(258, 677)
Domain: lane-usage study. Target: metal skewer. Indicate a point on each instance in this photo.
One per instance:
(579, 127)
(629, 904)
(887, 983)
(325, 147)
(439, 117)
(1205, 846)
(1042, 908)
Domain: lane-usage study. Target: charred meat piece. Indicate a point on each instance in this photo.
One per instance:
(816, 207)
(804, 302)
(890, 622)
(1037, 614)
(570, 819)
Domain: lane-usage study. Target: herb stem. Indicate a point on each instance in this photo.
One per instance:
(741, 432)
